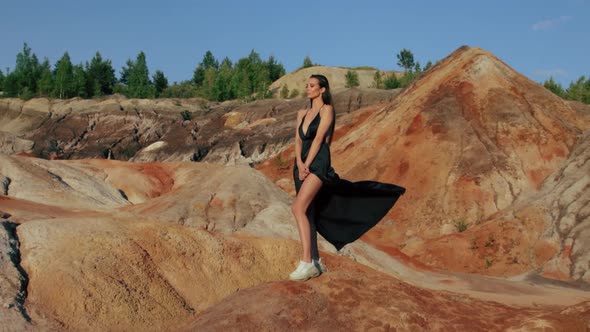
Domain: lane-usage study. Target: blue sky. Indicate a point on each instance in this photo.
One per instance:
(537, 38)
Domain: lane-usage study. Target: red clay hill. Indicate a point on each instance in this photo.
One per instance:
(469, 140)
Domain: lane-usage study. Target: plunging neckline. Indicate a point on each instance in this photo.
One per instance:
(305, 132)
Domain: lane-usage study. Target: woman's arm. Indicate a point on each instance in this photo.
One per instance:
(303, 171)
(326, 118)
(300, 114)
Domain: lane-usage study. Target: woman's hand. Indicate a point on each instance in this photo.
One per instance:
(303, 171)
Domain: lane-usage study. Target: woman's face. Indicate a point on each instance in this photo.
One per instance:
(313, 89)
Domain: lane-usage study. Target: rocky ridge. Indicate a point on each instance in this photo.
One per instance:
(160, 130)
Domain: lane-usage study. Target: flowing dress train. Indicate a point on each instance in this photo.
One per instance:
(342, 210)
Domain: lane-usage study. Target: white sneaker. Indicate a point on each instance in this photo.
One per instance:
(299, 267)
(304, 271)
(320, 266)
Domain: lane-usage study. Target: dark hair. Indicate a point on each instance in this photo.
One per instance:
(327, 99)
(326, 96)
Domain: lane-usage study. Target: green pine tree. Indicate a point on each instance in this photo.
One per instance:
(208, 62)
(554, 87)
(250, 76)
(79, 81)
(240, 82)
(46, 82)
(575, 90)
(160, 82)
(2, 77)
(579, 91)
(27, 71)
(405, 59)
(275, 69)
(377, 80)
(64, 78)
(124, 77)
(101, 78)
(223, 89)
(391, 82)
(408, 78)
(307, 62)
(138, 79)
(294, 94)
(208, 83)
(11, 85)
(284, 92)
(259, 74)
(352, 79)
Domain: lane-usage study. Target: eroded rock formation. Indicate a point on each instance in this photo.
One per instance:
(496, 169)
(470, 140)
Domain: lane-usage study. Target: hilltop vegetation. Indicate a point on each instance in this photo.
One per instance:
(248, 78)
(578, 90)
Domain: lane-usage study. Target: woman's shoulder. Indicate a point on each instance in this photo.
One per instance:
(326, 110)
(301, 113)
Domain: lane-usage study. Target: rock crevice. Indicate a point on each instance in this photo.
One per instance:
(4, 184)
(14, 256)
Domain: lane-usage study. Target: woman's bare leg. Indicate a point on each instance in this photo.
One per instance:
(311, 216)
(307, 193)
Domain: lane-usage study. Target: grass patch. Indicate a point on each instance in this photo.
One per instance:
(461, 225)
(186, 115)
(281, 163)
(490, 241)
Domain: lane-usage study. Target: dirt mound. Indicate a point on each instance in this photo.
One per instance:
(362, 301)
(297, 80)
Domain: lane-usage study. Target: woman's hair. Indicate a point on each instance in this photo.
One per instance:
(326, 96)
(327, 99)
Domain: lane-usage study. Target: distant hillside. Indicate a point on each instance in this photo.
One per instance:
(336, 76)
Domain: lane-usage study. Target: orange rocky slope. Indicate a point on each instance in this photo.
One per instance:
(468, 140)
(110, 245)
(192, 234)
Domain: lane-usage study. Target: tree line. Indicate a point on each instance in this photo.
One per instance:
(578, 90)
(248, 78)
(32, 78)
(381, 80)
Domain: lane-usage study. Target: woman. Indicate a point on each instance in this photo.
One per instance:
(341, 211)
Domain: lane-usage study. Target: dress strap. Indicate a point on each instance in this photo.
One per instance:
(307, 110)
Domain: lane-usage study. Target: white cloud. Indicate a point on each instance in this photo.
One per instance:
(550, 72)
(550, 23)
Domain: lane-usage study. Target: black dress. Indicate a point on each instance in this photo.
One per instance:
(342, 210)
